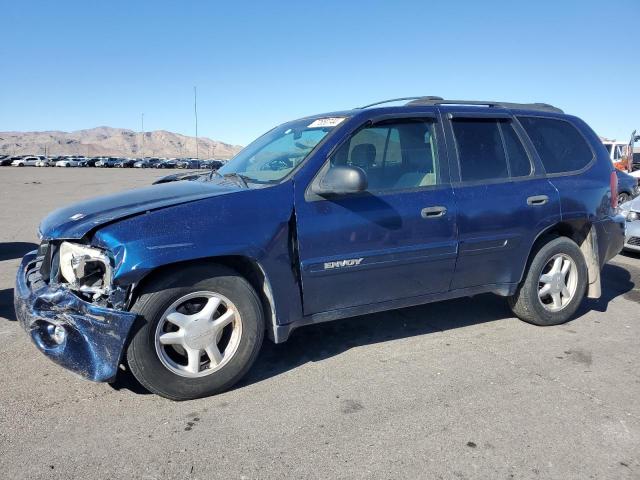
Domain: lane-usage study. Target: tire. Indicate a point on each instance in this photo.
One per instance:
(153, 364)
(528, 304)
(623, 197)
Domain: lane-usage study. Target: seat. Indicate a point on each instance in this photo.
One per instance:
(363, 156)
(419, 166)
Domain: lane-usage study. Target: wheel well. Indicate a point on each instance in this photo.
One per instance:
(246, 267)
(576, 231)
(584, 235)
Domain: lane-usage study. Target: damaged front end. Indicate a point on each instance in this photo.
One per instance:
(65, 301)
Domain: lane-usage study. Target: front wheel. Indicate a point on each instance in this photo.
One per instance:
(554, 286)
(198, 333)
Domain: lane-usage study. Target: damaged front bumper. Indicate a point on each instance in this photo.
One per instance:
(90, 339)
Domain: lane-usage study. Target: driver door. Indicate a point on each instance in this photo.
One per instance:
(397, 239)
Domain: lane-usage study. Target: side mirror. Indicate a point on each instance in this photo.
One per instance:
(341, 180)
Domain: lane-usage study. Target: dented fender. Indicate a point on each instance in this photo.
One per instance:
(211, 228)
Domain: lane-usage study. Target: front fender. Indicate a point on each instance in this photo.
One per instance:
(252, 223)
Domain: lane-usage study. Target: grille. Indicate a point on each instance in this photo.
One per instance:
(635, 241)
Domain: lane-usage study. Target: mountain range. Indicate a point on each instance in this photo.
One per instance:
(116, 142)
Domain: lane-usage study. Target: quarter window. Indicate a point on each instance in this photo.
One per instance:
(395, 155)
(560, 146)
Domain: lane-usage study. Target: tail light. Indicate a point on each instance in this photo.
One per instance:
(613, 183)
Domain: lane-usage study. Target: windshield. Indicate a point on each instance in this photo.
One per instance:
(271, 157)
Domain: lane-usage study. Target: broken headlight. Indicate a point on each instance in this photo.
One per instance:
(87, 269)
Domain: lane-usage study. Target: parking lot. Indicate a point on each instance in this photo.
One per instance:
(457, 389)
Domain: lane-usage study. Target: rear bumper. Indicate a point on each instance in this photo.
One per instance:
(94, 336)
(610, 235)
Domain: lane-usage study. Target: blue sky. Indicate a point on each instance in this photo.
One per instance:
(69, 65)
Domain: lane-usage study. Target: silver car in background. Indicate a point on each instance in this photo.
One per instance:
(29, 161)
(631, 211)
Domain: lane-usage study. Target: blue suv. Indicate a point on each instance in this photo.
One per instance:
(323, 218)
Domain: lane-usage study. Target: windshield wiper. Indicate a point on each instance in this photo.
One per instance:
(215, 170)
(243, 180)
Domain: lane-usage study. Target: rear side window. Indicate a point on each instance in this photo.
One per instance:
(560, 145)
(489, 149)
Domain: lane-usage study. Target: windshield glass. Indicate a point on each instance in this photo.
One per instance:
(271, 157)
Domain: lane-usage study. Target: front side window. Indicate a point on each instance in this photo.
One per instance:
(489, 149)
(395, 155)
(274, 155)
(560, 145)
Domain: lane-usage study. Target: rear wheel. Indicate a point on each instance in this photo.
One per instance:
(198, 333)
(554, 285)
(623, 197)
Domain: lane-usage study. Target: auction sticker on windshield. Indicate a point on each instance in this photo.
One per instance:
(326, 122)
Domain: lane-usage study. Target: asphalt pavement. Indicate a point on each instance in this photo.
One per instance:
(457, 389)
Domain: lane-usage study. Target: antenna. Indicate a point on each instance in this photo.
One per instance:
(195, 111)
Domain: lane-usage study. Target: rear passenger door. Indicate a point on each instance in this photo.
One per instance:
(503, 198)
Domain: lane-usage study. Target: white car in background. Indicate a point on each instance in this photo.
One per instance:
(25, 162)
(69, 162)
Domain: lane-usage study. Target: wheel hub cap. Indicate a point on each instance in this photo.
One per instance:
(558, 282)
(198, 334)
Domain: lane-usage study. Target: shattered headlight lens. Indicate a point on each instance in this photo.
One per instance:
(86, 269)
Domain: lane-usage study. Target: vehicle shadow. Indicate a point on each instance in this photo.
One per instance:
(6, 305)
(616, 281)
(11, 250)
(126, 381)
(318, 342)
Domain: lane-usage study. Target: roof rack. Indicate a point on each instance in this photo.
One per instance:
(544, 107)
(399, 100)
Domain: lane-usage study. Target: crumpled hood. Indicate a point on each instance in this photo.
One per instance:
(78, 219)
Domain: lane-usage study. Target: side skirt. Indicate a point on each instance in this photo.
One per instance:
(282, 332)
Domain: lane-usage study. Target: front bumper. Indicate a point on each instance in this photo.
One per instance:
(95, 336)
(632, 236)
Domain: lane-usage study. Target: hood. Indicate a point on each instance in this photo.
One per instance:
(76, 220)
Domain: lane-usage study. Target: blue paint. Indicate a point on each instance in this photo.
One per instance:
(482, 244)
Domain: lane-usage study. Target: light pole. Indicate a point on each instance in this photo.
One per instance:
(142, 129)
(195, 112)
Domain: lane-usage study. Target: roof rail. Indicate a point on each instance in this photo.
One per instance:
(399, 100)
(543, 107)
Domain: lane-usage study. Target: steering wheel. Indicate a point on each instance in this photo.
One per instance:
(278, 163)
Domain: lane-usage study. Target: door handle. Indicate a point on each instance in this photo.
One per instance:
(433, 212)
(537, 200)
